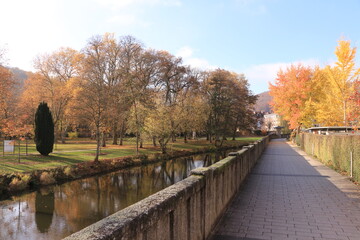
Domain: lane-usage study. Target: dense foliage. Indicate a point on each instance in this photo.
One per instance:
(44, 130)
(117, 86)
(327, 96)
(334, 150)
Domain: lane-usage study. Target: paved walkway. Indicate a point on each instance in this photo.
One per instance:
(289, 195)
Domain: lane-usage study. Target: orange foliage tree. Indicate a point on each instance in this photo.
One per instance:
(354, 115)
(290, 93)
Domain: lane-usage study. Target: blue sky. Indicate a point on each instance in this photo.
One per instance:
(254, 37)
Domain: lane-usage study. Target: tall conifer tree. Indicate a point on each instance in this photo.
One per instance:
(44, 130)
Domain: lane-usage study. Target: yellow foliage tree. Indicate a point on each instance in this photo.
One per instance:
(341, 78)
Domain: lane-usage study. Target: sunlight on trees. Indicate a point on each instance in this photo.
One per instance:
(117, 86)
(321, 96)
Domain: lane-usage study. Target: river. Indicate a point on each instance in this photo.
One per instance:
(57, 211)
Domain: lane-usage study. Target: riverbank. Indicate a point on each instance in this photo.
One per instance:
(16, 183)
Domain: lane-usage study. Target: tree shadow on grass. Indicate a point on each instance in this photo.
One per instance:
(36, 162)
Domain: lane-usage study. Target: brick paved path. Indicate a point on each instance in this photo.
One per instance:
(289, 195)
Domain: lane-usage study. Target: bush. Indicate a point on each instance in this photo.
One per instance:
(73, 135)
(69, 172)
(47, 178)
(19, 183)
(334, 150)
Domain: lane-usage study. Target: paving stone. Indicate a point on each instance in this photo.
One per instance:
(290, 195)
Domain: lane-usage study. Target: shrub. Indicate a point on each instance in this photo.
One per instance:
(47, 178)
(69, 172)
(19, 183)
(73, 135)
(334, 151)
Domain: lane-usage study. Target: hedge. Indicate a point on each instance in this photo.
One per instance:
(334, 151)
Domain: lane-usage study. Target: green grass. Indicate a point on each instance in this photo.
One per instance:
(81, 150)
(248, 139)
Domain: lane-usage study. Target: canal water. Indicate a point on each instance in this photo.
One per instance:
(57, 211)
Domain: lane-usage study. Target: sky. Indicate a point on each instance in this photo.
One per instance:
(253, 37)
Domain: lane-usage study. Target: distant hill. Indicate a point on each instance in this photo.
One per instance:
(20, 76)
(263, 102)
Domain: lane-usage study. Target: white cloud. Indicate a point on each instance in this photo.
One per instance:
(186, 53)
(260, 76)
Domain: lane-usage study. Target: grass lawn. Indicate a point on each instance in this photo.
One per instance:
(81, 150)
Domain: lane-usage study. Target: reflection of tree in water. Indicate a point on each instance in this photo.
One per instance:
(44, 209)
(85, 201)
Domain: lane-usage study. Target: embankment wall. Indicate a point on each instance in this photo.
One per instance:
(186, 210)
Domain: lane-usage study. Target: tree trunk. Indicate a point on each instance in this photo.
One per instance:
(115, 135)
(163, 149)
(234, 134)
(103, 143)
(121, 139)
(154, 141)
(137, 142)
(141, 143)
(97, 144)
(217, 140)
(62, 133)
(163, 145)
(185, 137)
(122, 133)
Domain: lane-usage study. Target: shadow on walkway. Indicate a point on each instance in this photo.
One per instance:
(290, 195)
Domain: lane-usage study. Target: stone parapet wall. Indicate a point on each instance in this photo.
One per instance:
(186, 210)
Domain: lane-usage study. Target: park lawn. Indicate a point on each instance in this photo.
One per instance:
(83, 150)
(248, 139)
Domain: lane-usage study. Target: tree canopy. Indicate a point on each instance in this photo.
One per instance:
(115, 86)
(325, 96)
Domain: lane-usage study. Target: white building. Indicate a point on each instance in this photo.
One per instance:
(270, 121)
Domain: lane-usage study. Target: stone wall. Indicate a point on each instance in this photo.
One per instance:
(186, 210)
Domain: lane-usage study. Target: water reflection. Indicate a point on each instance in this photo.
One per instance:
(58, 211)
(44, 209)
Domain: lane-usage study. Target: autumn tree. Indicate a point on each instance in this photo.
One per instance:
(6, 85)
(157, 125)
(138, 68)
(194, 110)
(229, 101)
(55, 72)
(290, 92)
(342, 77)
(241, 109)
(8, 102)
(92, 100)
(173, 83)
(354, 101)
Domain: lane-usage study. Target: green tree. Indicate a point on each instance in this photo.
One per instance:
(44, 129)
